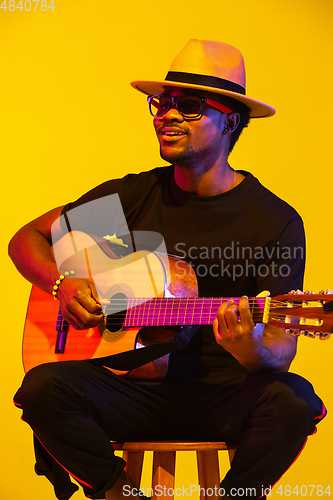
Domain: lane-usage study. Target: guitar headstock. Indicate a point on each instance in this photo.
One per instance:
(304, 313)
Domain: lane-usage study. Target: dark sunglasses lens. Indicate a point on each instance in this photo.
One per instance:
(159, 105)
(190, 105)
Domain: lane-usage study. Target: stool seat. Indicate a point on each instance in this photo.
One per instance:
(172, 445)
(164, 460)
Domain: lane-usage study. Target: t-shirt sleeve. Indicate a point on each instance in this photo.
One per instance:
(282, 270)
(98, 212)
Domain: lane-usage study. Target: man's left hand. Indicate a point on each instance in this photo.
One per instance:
(236, 332)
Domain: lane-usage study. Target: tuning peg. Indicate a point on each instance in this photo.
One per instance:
(311, 335)
(292, 292)
(309, 292)
(328, 291)
(324, 335)
(294, 333)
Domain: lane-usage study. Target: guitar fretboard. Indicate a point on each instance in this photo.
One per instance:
(178, 311)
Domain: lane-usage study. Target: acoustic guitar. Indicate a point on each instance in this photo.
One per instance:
(150, 294)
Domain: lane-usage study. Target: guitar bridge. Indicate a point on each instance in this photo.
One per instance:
(62, 329)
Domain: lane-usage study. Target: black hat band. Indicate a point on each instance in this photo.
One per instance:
(205, 81)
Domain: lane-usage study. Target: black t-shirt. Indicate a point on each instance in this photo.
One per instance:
(240, 242)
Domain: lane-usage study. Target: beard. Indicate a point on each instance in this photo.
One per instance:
(184, 158)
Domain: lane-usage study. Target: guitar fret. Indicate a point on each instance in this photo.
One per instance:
(165, 311)
(151, 312)
(177, 321)
(189, 311)
(185, 312)
(144, 314)
(171, 313)
(209, 307)
(159, 305)
(140, 314)
(156, 314)
(136, 312)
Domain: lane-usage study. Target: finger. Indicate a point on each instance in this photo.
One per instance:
(217, 331)
(104, 301)
(78, 316)
(220, 325)
(83, 321)
(245, 315)
(264, 293)
(89, 299)
(231, 314)
(98, 296)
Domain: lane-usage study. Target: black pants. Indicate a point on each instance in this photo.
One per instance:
(76, 408)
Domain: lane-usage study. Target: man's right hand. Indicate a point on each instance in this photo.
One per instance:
(30, 250)
(80, 304)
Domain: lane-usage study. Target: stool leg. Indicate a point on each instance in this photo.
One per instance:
(133, 468)
(163, 474)
(208, 474)
(231, 455)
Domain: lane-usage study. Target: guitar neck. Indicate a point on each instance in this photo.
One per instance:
(181, 311)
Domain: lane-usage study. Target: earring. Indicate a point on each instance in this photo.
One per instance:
(226, 128)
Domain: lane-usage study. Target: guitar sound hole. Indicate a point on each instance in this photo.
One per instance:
(116, 312)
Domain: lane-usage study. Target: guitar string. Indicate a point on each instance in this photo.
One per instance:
(201, 317)
(131, 305)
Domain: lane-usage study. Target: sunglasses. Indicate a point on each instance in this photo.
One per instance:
(189, 106)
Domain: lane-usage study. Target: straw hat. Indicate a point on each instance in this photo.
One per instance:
(208, 66)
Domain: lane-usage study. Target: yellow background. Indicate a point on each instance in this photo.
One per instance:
(69, 120)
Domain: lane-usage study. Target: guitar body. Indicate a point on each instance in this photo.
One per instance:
(143, 274)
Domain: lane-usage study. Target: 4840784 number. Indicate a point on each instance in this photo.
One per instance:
(304, 490)
(27, 5)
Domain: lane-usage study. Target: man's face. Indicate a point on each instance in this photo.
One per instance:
(189, 142)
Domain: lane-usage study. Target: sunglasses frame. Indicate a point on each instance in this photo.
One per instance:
(175, 100)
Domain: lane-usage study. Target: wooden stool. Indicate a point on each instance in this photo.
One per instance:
(164, 464)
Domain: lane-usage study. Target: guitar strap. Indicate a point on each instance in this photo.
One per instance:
(129, 360)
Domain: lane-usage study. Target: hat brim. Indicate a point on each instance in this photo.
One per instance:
(258, 109)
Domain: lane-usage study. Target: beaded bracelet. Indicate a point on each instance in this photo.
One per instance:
(58, 283)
